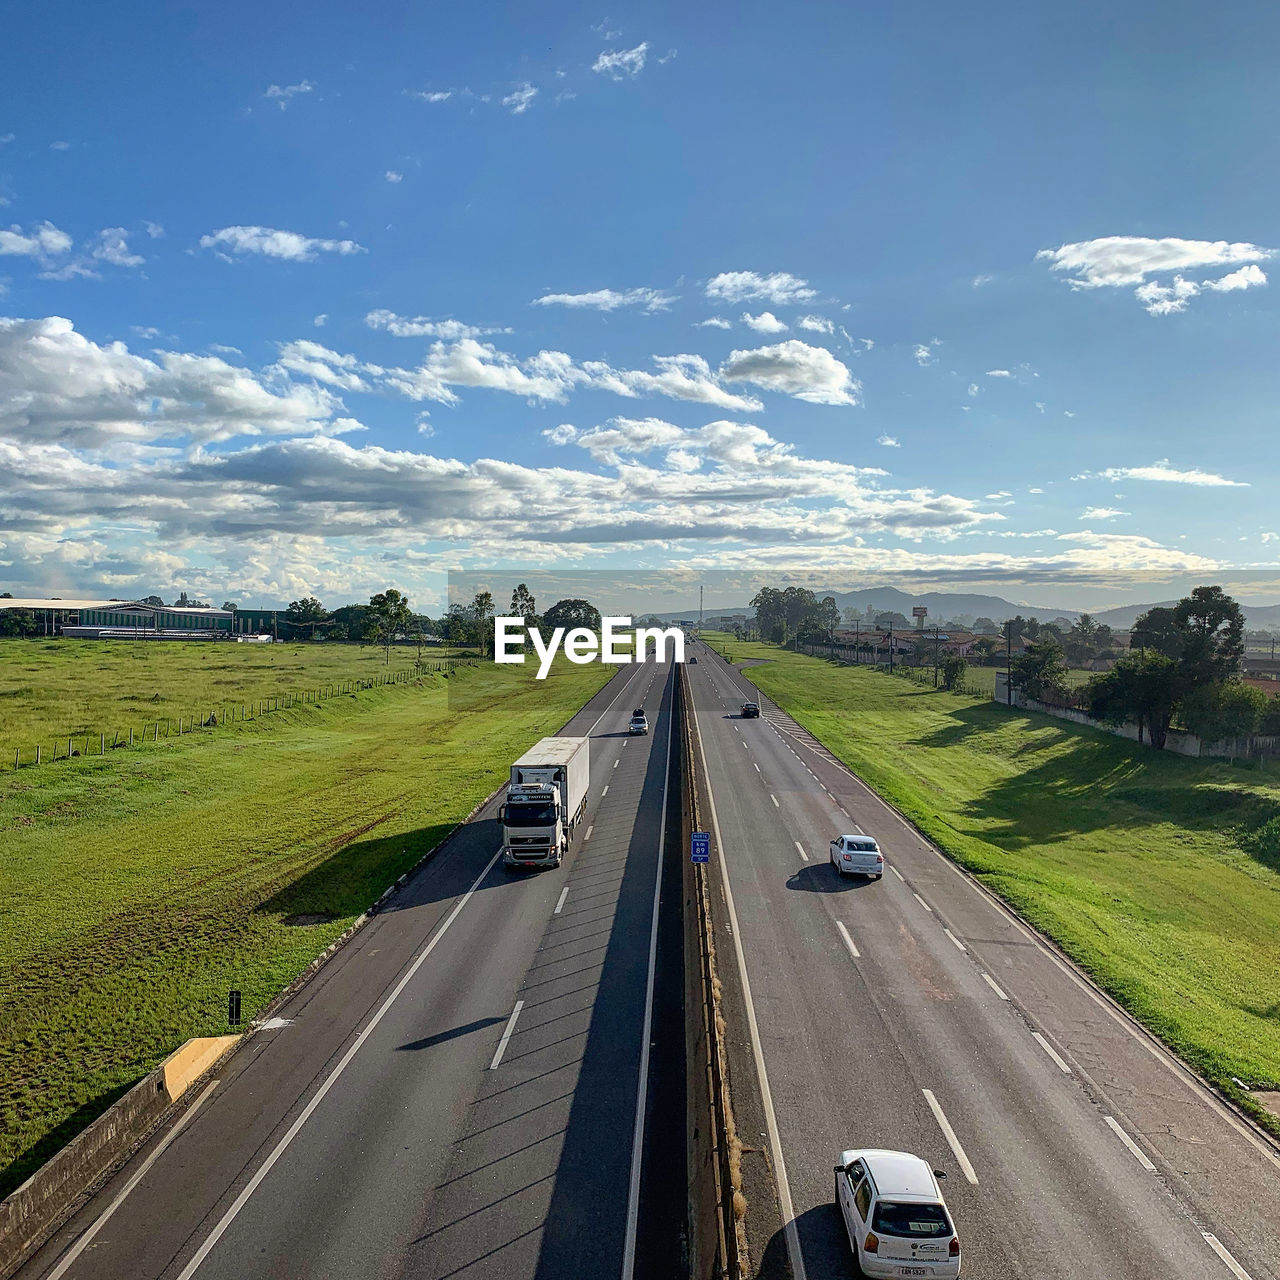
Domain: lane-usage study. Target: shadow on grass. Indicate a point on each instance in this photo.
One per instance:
(353, 877)
(15, 1174)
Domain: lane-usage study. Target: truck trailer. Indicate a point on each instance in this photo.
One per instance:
(545, 800)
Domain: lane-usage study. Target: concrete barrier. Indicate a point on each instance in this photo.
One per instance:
(50, 1195)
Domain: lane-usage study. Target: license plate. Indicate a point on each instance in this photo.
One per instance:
(914, 1271)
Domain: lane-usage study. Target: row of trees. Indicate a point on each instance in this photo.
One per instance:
(1184, 662)
(794, 614)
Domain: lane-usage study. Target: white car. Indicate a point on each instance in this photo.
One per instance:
(857, 855)
(894, 1213)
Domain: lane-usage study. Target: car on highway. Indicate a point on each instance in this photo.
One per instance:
(750, 710)
(639, 722)
(896, 1219)
(857, 855)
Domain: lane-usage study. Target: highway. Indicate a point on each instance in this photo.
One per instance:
(459, 1090)
(917, 1013)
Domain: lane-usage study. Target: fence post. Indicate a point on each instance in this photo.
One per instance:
(37, 753)
(131, 735)
(103, 752)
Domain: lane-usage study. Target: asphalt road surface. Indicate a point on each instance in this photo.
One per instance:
(454, 1095)
(916, 1013)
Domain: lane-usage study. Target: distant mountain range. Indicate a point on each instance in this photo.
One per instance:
(944, 604)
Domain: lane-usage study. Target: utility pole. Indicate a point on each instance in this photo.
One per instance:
(857, 643)
(936, 642)
(699, 608)
(1008, 662)
(891, 646)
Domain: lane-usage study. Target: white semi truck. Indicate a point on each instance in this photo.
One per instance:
(546, 798)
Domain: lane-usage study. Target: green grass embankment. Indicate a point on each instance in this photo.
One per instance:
(52, 690)
(136, 890)
(1146, 867)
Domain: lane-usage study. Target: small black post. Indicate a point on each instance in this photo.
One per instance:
(233, 1008)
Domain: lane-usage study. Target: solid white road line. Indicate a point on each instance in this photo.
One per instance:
(1136, 1151)
(1052, 1052)
(922, 902)
(950, 1134)
(101, 1221)
(564, 893)
(774, 798)
(848, 941)
(897, 873)
(800, 850)
(590, 828)
(292, 1132)
(790, 1234)
(954, 939)
(991, 982)
(1215, 1244)
(506, 1035)
(642, 1089)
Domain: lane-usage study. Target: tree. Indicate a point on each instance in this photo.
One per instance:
(483, 609)
(569, 614)
(230, 604)
(351, 622)
(1212, 625)
(155, 601)
(523, 604)
(18, 622)
(306, 610)
(985, 626)
(1039, 671)
(1229, 709)
(1160, 630)
(953, 669)
(1141, 687)
(388, 617)
(985, 649)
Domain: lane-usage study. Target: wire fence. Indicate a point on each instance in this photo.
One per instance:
(920, 675)
(82, 744)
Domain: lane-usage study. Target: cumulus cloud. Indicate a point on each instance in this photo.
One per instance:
(622, 64)
(999, 373)
(765, 322)
(1101, 513)
(714, 322)
(608, 299)
(289, 245)
(974, 389)
(56, 386)
(779, 287)
(797, 369)
(424, 327)
(1123, 261)
(43, 241)
(816, 324)
(113, 246)
(285, 93)
(1162, 472)
(889, 442)
(922, 352)
(321, 320)
(520, 99)
(393, 176)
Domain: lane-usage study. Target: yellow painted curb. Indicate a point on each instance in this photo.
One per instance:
(191, 1061)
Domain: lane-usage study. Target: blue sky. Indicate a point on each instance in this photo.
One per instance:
(944, 296)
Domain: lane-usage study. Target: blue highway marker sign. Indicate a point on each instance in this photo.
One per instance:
(700, 847)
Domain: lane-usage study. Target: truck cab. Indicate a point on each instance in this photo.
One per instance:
(533, 827)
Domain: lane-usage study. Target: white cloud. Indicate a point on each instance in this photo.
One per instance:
(608, 299)
(1271, 537)
(289, 245)
(113, 247)
(1035, 490)
(424, 327)
(816, 324)
(765, 322)
(974, 389)
(43, 241)
(889, 442)
(283, 93)
(520, 99)
(922, 352)
(714, 322)
(1122, 261)
(154, 229)
(999, 373)
(431, 95)
(56, 386)
(779, 287)
(795, 368)
(393, 176)
(1101, 513)
(321, 320)
(620, 64)
(979, 280)
(1162, 472)
(60, 146)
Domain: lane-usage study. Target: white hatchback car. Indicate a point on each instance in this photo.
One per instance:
(857, 855)
(894, 1213)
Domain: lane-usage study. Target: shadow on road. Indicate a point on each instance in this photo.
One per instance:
(824, 878)
(453, 1034)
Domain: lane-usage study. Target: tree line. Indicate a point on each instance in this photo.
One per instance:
(1184, 663)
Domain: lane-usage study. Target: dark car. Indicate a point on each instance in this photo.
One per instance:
(750, 710)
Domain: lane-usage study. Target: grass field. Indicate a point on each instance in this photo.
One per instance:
(54, 689)
(1135, 861)
(136, 890)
